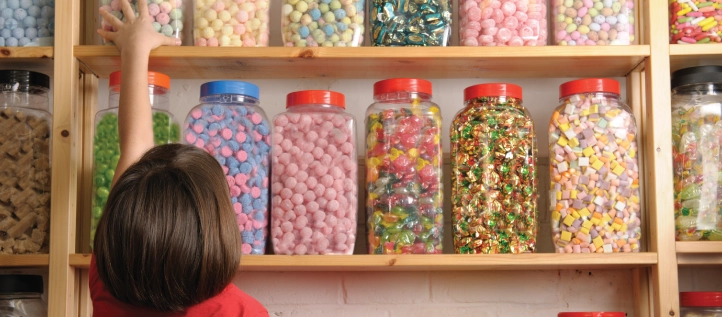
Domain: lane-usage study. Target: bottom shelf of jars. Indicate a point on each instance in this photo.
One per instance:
(433, 262)
(699, 253)
(24, 260)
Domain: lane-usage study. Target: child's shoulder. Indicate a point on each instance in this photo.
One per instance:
(231, 302)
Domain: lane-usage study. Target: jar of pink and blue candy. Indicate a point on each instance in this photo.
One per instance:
(593, 22)
(503, 22)
(315, 175)
(594, 194)
(230, 125)
(170, 17)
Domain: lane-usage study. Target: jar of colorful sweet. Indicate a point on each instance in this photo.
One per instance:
(700, 304)
(231, 23)
(503, 23)
(593, 22)
(170, 17)
(323, 23)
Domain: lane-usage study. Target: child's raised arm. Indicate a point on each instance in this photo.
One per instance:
(135, 38)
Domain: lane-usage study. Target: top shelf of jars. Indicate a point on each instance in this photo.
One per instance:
(377, 62)
(38, 58)
(683, 56)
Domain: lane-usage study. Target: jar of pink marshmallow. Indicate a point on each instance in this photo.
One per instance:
(503, 22)
(315, 178)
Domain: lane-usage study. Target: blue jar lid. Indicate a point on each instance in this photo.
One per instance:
(232, 87)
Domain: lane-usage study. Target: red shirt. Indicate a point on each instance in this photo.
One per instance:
(230, 302)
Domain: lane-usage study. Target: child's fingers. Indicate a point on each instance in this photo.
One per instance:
(109, 36)
(169, 41)
(143, 9)
(117, 24)
(128, 12)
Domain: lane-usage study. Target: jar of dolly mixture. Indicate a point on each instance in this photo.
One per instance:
(593, 22)
(315, 175)
(493, 172)
(594, 193)
(696, 139)
(231, 23)
(410, 22)
(231, 126)
(503, 23)
(323, 23)
(700, 304)
(21, 296)
(694, 22)
(25, 124)
(170, 17)
(403, 164)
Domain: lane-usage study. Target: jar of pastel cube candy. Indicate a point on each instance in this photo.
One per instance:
(25, 124)
(231, 23)
(410, 22)
(700, 304)
(403, 165)
(106, 141)
(230, 125)
(493, 172)
(170, 17)
(503, 23)
(593, 22)
(27, 23)
(594, 194)
(315, 176)
(323, 23)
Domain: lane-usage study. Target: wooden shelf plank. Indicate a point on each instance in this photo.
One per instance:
(692, 253)
(377, 62)
(683, 56)
(699, 247)
(38, 59)
(23, 260)
(445, 262)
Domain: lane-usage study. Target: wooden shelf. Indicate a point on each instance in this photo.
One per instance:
(699, 253)
(445, 262)
(377, 62)
(683, 56)
(39, 59)
(34, 260)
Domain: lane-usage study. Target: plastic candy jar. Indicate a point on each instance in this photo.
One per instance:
(503, 23)
(231, 23)
(315, 175)
(27, 23)
(410, 22)
(106, 143)
(230, 125)
(21, 296)
(592, 314)
(169, 17)
(700, 304)
(696, 139)
(323, 22)
(493, 172)
(403, 163)
(692, 22)
(25, 124)
(594, 193)
(593, 22)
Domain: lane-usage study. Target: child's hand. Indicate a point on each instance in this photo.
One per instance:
(136, 34)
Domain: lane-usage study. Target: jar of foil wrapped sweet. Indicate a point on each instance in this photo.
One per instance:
(410, 22)
(696, 140)
(403, 163)
(493, 172)
(594, 193)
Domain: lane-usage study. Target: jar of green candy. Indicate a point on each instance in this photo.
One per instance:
(493, 172)
(106, 143)
(696, 140)
(410, 22)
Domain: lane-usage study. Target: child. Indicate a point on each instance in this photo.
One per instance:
(167, 243)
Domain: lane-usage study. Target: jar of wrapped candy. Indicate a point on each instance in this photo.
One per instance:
(594, 193)
(692, 22)
(696, 139)
(593, 22)
(170, 17)
(700, 304)
(410, 22)
(503, 23)
(230, 125)
(403, 164)
(106, 142)
(315, 176)
(21, 296)
(323, 23)
(25, 124)
(231, 23)
(493, 172)
(27, 23)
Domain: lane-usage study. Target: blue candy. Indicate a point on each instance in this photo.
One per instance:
(11, 23)
(234, 200)
(234, 145)
(13, 4)
(328, 29)
(26, 3)
(3, 4)
(29, 22)
(217, 110)
(303, 31)
(359, 6)
(242, 111)
(24, 41)
(31, 33)
(258, 205)
(34, 11)
(259, 233)
(245, 168)
(214, 127)
(11, 42)
(247, 237)
(326, 1)
(246, 199)
(315, 14)
(247, 146)
(232, 162)
(7, 13)
(233, 171)
(6, 33)
(341, 26)
(221, 160)
(262, 129)
(339, 13)
(19, 33)
(47, 12)
(2, 41)
(247, 209)
(19, 14)
(43, 32)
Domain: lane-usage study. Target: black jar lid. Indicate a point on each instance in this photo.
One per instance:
(20, 283)
(25, 79)
(697, 75)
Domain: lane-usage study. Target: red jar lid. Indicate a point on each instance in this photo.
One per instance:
(402, 84)
(592, 314)
(700, 299)
(154, 78)
(492, 90)
(315, 97)
(589, 85)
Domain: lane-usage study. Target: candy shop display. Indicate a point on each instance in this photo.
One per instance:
(231, 23)
(169, 17)
(27, 22)
(230, 125)
(593, 22)
(106, 142)
(315, 175)
(410, 22)
(594, 194)
(25, 124)
(592, 314)
(403, 164)
(697, 161)
(493, 172)
(503, 22)
(700, 304)
(323, 22)
(692, 22)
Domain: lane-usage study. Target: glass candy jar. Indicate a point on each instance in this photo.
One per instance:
(700, 304)
(503, 23)
(410, 22)
(170, 17)
(231, 23)
(694, 22)
(27, 23)
(593, 22)
(323, 23)
(21, 296)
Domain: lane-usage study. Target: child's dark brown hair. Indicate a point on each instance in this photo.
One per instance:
(168, 237)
